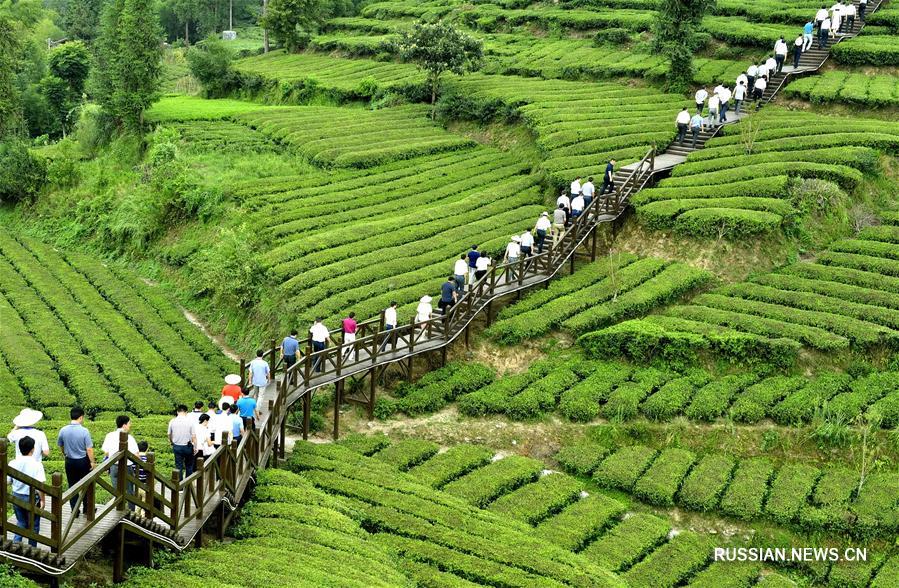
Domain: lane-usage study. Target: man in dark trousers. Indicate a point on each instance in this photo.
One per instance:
(448, 295)
(607, 183)
(78, 447)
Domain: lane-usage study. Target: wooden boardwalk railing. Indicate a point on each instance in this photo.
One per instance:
(171, 511)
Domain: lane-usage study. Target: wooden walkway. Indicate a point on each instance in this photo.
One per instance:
(173, 512)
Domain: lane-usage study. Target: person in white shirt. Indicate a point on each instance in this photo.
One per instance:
(701, 95)
(739, 96)
(202, 441)
(543, 227)
(713, 110)
(111, 445)
(741, 78)
(752, 72)
(320, 336)
(849, 12)
(221, 422)
(389, 324)
(770, 67)
(27, 464)
(564, 201)
(587, 191)
(717, 90)
(819, 17)
(513, 252)
(577, 206)
(724, 96)
(423, 313)
(527, 242)
(560, 217)
(460, 270)
(836, 17)
(483, 263)
(862, 7)
(824, 33)
(576, 187)
(260, 374)
(780, 54)
(758, 91)
(797, 51)
(23, 426)
(683, 123)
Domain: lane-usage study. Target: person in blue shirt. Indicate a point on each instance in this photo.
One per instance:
(807, 36)
(78, 447)
(289, 347)
(696, 127)
(473, 256)
(237, 427)
(448, 295)
(248, 410)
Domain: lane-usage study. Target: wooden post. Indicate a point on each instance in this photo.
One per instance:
(466, 335)
(220, 524)
(176, 498)
(338, 392)
(273, 359)
(118, 566)
(307, 368)
(283, 437)
(122, 474)
(373, 384)
(489, 312)
(307, 410)
(4, 458)
(201, 486)
(593, 247)
(409, 369)
(243, 369)
(55, 509)
(151, 483)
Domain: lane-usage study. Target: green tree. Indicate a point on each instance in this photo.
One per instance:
(439, 48)
(186, 11)
(210, 62)
(10, 105)
(290, 22)
(128, 67)
(675, 36)
(63, 85)
(82, 18)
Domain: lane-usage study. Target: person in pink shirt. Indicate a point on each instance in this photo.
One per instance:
(349, 334)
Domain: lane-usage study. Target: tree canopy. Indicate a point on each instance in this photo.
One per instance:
(675, 29)
(439, 48)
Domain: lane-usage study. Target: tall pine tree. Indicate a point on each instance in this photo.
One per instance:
(129, 53)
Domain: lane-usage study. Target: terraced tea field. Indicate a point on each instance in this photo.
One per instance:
(78, 332)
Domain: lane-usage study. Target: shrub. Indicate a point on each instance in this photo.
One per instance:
(888, 574)
(211, 63)
(581, 521)
(755, 402)
(663, 478)
(622, 468)
(867, 50)
(799, 406)
(611, 36)
(746, 492)
(433, 394)
(673, 562)
(582, 459)
(703, 488)
(671, 399)
(542, 395)
(581, 402)
(22, 175)
(365, 444)
(789, 491)
(731, 223)
(407, 453)
(455, 462)
(628, 542)
(482, 486)
(535, 502)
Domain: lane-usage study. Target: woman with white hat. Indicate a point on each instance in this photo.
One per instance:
(23, 426)
(513, 252)
(231, 389)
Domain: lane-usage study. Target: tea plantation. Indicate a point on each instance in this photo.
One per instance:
(715, 367)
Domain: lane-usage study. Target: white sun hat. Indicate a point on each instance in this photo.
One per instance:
(516, 238)
(27, 418)
(232, 379)
(425, 299)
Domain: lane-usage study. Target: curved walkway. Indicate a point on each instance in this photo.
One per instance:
(173, 512)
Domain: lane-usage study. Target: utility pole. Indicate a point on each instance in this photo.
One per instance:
(264, 30)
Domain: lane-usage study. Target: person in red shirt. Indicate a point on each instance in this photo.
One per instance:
(231, 388)
(349, 334)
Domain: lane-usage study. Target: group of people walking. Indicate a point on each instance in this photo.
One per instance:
(751, 84)
(192, 435)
